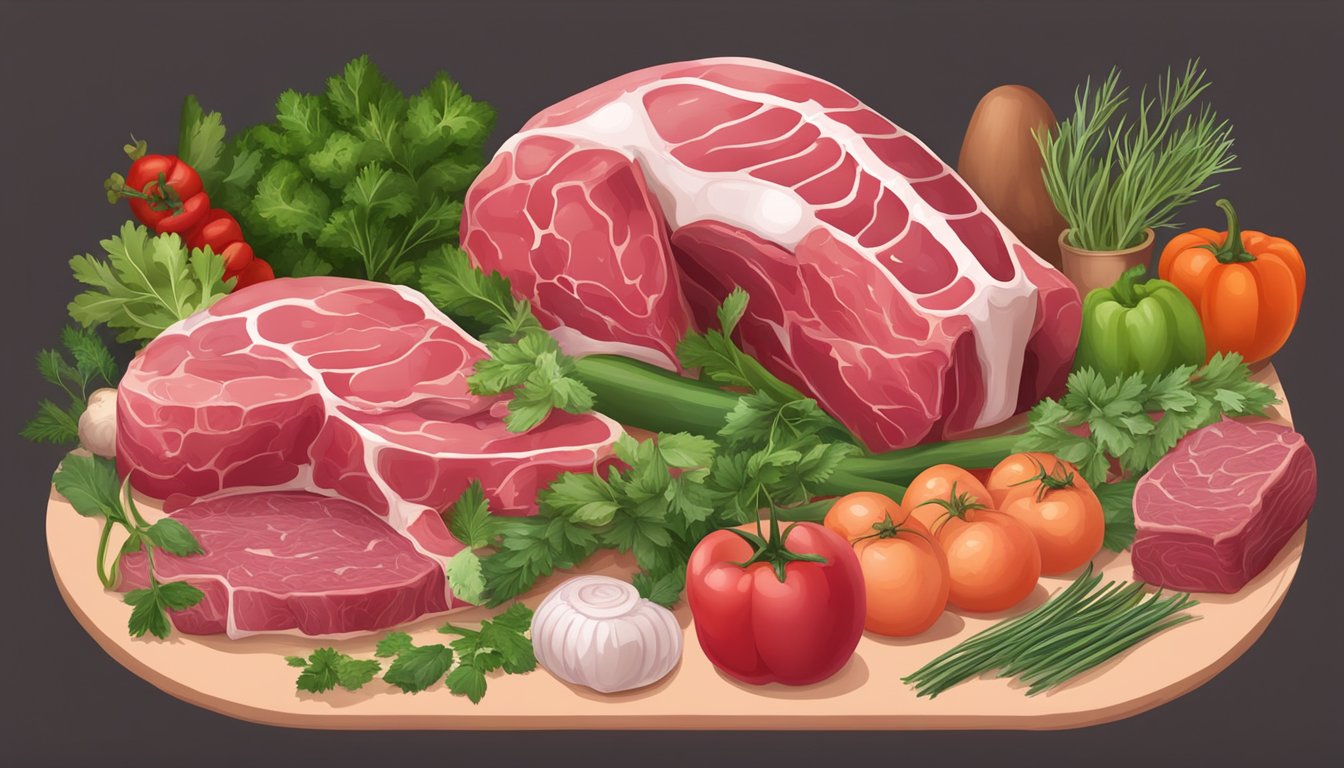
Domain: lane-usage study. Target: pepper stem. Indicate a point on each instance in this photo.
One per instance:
(1231, 251)
(1123, 289)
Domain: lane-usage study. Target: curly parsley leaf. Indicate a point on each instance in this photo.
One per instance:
(325, 668)
(359, 180)
(721, 361)
(200, 140)
(418, 667)
(468, 519)
(150, 606)
(146, 283)
(1115, 415)
(173, 537)
(448, 278)
(1117, 502)
(91, 485)
(500, 643)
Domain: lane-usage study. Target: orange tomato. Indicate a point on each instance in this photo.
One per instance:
(1246, 285)
(1020, 469)
(936, 484)
(904, 570)
(993, 562)
(1064, 516)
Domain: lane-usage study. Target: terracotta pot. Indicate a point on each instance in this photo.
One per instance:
(1099, 269)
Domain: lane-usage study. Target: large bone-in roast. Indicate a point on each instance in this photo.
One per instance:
(879, 283)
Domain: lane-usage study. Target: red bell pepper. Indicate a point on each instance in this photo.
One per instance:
(789, 609)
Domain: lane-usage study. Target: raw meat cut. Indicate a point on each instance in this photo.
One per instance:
(1217, 509)
(343, 388)
(880, 285)
(294, 561)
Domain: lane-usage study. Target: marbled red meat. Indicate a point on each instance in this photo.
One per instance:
(1217, 509)
(880, 284)
(342, 388)
(277, 561)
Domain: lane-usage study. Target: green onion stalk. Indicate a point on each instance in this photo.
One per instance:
(647, 397)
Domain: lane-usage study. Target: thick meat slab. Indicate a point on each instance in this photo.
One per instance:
(1217, 509)
(341, 388)
(278, 562)
(880, 284)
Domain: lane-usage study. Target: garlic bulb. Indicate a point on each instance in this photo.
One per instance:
(98, 424)
(597, 631)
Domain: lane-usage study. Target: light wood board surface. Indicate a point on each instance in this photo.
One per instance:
(249, 678)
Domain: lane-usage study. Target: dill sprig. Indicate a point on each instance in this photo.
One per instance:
(1078, 629)
(1111, 175)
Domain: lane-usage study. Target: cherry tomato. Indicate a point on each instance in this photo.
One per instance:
(179, 208)
(936, 482)
(764, 614)
(904, 570)
(255, 271)
(1065, 517)
(1022, 469)
(236, 257)
(217, 231)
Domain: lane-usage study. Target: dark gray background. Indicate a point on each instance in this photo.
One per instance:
(79, 77)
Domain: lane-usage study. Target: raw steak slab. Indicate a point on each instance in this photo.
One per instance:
(1217, 509)
(341, 388)
(278, 562)
(880, 284)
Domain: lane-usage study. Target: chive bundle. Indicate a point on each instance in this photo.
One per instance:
(1079, 628)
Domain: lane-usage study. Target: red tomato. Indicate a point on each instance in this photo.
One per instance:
(935, 484)
(904, 569)
(236, 256)
(255, 271)
(1021, 469)
(152, 206)
(217, 231)
(760, 629)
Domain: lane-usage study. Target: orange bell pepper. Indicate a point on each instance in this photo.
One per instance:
(1246, 285)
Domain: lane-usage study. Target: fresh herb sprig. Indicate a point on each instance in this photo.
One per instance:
(146, 283)
(525, 361)
(89, 363)
(91, 486)
(1111, 180)
(1116, 414)
(1074, 631)
(359, 180)
(501, 643)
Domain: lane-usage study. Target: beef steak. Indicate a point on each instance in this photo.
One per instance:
(1216, 510)
(342, 388)
(279, 561)
(880, 284)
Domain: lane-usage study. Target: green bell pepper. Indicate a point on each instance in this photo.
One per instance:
(1134, 327)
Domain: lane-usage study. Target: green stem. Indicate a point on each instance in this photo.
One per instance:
(1232, 251)
(108, 578)
(1123, 289)
(647, 397)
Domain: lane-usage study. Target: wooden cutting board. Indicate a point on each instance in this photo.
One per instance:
(249, 679)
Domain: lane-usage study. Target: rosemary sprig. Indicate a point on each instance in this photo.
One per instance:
(1078, 629)
(1111, 175)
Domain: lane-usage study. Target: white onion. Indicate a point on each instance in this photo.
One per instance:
(98, 424)
(597, 631)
